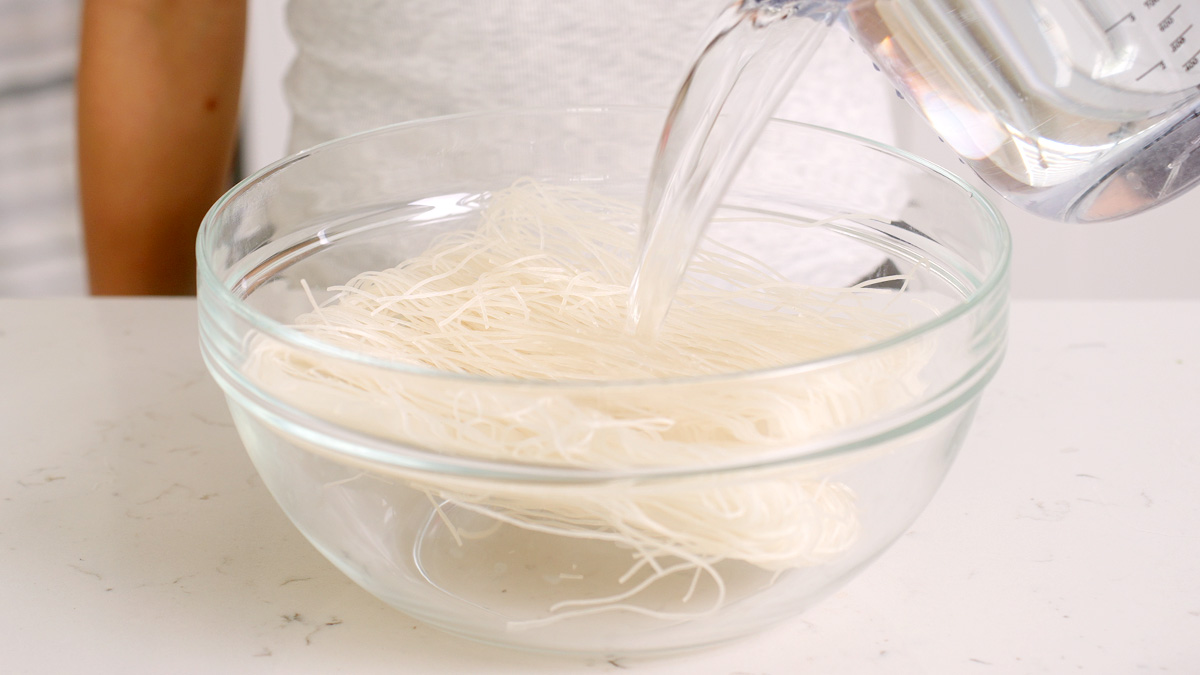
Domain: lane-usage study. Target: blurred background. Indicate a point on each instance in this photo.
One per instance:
(1148, 256)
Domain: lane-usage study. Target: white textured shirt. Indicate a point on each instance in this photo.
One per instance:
(40, 237)
(368, 63)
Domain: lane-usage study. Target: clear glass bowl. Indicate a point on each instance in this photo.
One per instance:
(431, 530)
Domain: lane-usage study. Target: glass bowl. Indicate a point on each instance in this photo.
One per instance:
(715, 540)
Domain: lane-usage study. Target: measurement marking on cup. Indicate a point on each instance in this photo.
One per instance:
(1128, 17)
(1157, 66)
(1179, 41)
(1168, 20)
(1192, 61)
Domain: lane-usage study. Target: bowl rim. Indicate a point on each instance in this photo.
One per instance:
(378, 454)
(212, 289)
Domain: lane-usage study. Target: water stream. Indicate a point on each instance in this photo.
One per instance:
(752, 54)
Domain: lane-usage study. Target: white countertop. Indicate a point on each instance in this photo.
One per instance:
(136, 538)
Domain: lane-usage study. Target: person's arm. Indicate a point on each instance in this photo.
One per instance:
(158, 99)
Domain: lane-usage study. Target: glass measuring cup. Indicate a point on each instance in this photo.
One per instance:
(1080, 110)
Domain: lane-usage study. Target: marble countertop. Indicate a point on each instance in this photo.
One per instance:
(135, 536)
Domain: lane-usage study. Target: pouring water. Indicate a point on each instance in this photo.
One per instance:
(1076, 110)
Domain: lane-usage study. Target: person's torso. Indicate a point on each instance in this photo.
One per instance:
(365, 64)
